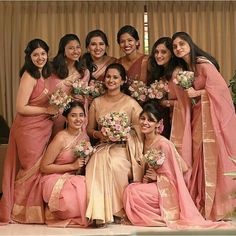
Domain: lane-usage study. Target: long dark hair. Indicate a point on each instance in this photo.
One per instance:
(29, 65)
(195, 51)
(87, 56)
(59, 61)
(155, 71)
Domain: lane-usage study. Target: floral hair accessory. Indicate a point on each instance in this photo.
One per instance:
(161, 126)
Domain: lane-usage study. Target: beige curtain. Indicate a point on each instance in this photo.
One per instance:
(212, 25)
(50, 20)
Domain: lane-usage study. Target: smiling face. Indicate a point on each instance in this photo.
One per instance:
(72, 50)
(113, 79)
(39, 57)
(128, 44)
(162, 55)
(181, 48)
(75, 118)
(147, 123)
(97, 47)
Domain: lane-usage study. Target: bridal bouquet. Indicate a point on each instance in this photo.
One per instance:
(60, 99)
(138, 90)
(115, 126)
(185, 80)
(96, 88)
(158, 89)
(155, 158)
(80, 87)
(83, 149)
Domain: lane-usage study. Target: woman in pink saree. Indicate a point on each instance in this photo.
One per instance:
(68, 69)
(22, 199)
(163, 198)
(212, 123)
(134, 62)
(63, 190)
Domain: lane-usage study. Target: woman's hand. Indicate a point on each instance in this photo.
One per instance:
(150, 176)
(52, 110)
(99, 135)
(192, 93)
(79, 163)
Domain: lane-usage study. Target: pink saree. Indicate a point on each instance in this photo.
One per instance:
(65, 194)
(138, 70)
(213, 130)
(166, 202)
(181, 126)
(29, 136)
(100, 73)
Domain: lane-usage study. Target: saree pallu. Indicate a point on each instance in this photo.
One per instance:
(29, 136)
(181, 133)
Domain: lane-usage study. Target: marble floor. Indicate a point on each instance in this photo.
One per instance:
(112, 229)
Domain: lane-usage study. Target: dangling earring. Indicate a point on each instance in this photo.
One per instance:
(66, 125)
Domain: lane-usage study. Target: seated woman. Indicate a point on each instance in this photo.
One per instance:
(163, 198)
(63, 191)
(114, 163)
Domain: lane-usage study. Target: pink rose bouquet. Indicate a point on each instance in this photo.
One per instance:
(155, 158)
(96, 88)
(138, 90)
(60, 99)
(83, 149)
(158, 89)
(80, 87)
(115, 126)
(185, 80)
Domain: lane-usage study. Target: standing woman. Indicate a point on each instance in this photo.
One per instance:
(114, 164)
(213, 125)
(22, 199)
(161, 65)
(67, 68)
(63, 190)
(96, 58)
(134, 62)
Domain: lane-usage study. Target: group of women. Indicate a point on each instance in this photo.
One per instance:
(42, 181)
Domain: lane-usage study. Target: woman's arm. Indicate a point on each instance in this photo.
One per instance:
(47, 164)
(92, 124)
(27, 84)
